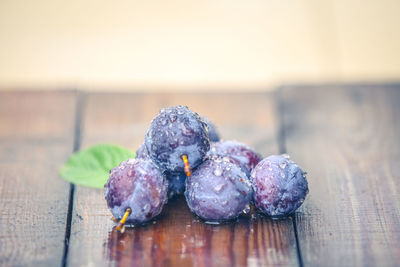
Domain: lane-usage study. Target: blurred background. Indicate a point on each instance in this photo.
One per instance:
(188, 45)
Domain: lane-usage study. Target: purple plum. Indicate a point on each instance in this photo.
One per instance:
(280, 186)
(218, 190)
(137, 184)
(174, 132)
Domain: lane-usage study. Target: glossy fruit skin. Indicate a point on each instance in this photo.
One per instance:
(218, 190)
(174, 132)
(139, 185)
(176, 184)
(212, 130)
(280, 186)
(141, 153)
(240, 153)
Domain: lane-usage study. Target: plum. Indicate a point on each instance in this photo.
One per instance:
(218, 190)
(280, 186)
(173, 133)
(139, 185)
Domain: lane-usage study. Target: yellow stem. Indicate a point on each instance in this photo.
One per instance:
(187, 170)
(121, 223)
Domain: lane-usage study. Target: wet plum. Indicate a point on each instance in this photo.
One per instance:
(137, 184)
(174, 132)
(218, 190)
(280, 186)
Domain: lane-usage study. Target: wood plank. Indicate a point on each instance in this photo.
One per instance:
(36, 137)
(347, 138)
(177, 237)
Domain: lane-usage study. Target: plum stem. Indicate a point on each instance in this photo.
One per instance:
(187, 170)
(120, 227)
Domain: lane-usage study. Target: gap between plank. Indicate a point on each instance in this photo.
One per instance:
(282, 149)
(77, 143)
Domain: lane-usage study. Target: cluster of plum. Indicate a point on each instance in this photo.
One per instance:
(227, 176)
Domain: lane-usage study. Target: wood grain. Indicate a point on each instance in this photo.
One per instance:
(347, 138)
(36, 137)
(177, 238)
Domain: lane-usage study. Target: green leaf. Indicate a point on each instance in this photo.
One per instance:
(90, 167)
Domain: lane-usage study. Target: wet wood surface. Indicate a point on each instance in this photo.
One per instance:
(348, 139)
(36, 137)
(345, 137)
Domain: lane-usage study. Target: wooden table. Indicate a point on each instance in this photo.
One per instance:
(347, 137)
